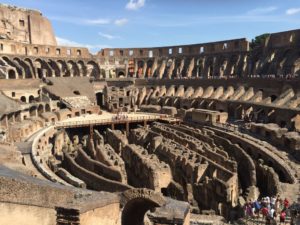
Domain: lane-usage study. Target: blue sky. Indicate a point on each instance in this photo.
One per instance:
(149, 23)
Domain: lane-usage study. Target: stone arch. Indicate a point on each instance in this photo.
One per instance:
(140, 72)
(23, 99)
(74, 69)
(41, 109)
(231, 69)
(137, 202)
(47, 108)
(200, 67)
(65, 70)
(31, 98)
(121, 74)
(12, 74)
(41, 67)
(149, 68)
(209, 67)
(15, 66)
(55, 67)
(283, 65)
(25, 66)
(82, 68)
(222, 66)
(33, 111)
(93, 69)
(31, 65)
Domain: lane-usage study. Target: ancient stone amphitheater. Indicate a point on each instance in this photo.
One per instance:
(167, 135)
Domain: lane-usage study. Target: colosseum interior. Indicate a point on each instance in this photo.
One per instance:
(166, 135)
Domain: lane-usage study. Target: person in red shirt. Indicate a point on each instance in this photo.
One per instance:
(282, 216)
(265, 212)
(286, 203)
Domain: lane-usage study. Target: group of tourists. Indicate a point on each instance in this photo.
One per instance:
(272, 209)
(287, 76)
(120, 116)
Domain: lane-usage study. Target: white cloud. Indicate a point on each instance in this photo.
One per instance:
(81, 21)
(259, 11)
(97, 21)
(121, 22)
(66, 42)
(135, 4)
(292, 11)
(108, 36)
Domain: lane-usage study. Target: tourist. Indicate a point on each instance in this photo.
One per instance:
(273, 201)
(278, 204)
(265, 212)
(286, 203)
(282, 216)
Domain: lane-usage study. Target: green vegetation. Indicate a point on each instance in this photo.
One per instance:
(259, 40)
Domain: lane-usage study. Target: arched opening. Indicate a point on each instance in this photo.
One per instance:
(47, 108)
(40, 109)
(149, 68)
(11, 74)
(93, 69)
(121, 74)
(74, 69)
(100, 99)
(32, 111)
(31, 99)
(140, 68)
(23, 99)
(135, 210)
(273, 97)
(63, 67)
(82, 68)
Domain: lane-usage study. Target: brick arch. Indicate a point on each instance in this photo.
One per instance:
(137, 202)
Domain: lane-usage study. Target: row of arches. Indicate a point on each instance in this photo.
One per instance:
(277, 62)
(207, 66)
(28, 68)
(19, 116)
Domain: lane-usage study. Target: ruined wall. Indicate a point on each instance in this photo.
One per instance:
(146, 170)
(97, 167)
(278, 54)
(238, 45)
(24, 25)
(11, 214)
(107, 215)
(8, 47)
(92, 180)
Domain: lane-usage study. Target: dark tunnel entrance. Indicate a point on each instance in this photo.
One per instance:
(135, 210)
(100, 99)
